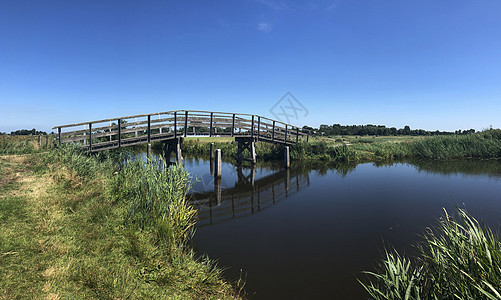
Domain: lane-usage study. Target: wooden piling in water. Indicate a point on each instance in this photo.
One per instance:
(148, 153)
(217, 163)
(287, 157)
(253, 152)
(211, 151)
(179, 156)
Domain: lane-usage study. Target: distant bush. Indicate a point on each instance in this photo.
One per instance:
(28, 132)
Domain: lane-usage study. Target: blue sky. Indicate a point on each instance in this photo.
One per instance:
(426, 64)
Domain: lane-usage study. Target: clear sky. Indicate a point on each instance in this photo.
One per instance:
(428, 64)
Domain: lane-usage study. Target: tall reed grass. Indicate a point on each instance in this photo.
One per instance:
(24, 144)
(322, 151)
(154, 197)
(458, 146)
(78, 161)
(459, 259)
(483, 145)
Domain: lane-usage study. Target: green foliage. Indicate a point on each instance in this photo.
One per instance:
(482, 145)
(322, 151)
(78, 161)
(154, 197)
(24, 144)
(201, 147)
(66, 234)
(459, 260)
(28, 132)
(377, 130)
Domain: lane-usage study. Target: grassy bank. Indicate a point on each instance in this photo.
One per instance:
(23, 144)
(482, 145)
(459, 260)
(73, 227)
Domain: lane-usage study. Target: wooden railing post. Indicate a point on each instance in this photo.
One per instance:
(210, 129)
(175, 124)
(258, 126)
(233, 126)
(273, 132)
(285, 138)
(59, 135)
(307, 136)
(252, 127)
(185, 123)
(119, 133)
(149, 128)
(90, 137)
(297, 135)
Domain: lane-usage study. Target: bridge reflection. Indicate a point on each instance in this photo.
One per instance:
(248, 196)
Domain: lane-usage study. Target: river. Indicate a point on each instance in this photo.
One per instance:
(308, 233)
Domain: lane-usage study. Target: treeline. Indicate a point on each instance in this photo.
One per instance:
(25, 132)
(379, 130)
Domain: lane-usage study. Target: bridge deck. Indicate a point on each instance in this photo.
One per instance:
(132, 130)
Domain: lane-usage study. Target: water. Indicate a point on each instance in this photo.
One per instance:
(308, 233)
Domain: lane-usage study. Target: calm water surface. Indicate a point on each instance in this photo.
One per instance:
(307, 233)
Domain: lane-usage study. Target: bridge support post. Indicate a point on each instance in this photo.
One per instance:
(211, 151)
(217, 164)
(287, 157)
(148, 153)
(246, 143)
(253, 152)
(174, 145)
(179, 156)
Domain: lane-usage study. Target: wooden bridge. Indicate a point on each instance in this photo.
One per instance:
(173, 126)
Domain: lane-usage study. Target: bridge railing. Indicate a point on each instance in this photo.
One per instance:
(131, 130)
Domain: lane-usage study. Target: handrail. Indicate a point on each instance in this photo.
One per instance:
(178, 123)
(163, 113)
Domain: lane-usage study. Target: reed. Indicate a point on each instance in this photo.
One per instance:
(450, 147)
(459, 259)
(66, 234)
(321, 151)
(79, 162)
(154, 197)
(24, 144)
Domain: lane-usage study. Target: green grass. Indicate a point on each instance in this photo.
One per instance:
(67, 234)
(201, 147)
(483, 145)
(23, 144)
(460, 259)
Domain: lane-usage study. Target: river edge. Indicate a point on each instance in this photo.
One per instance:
(62, 237)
